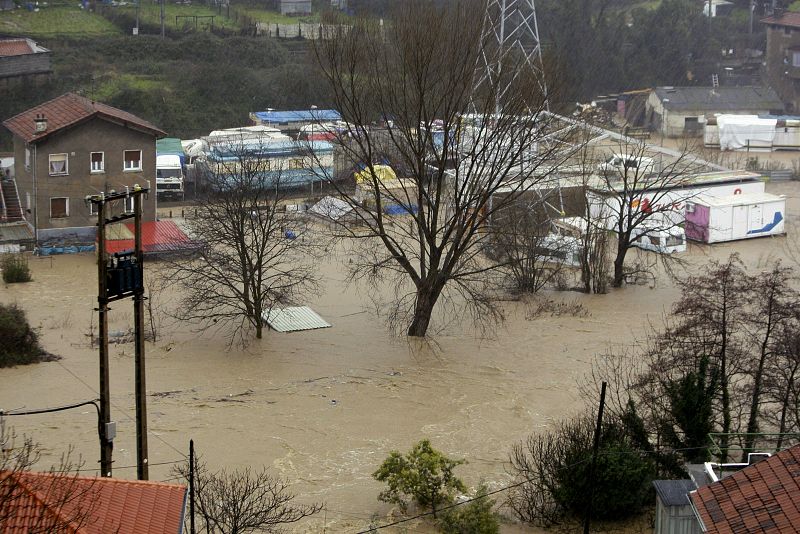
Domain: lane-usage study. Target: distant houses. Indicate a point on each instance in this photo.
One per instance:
(22, 60)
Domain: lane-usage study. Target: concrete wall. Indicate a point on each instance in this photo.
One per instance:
(97, 135)
(304, 30)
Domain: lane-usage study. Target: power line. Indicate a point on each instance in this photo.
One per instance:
(93, 402)
(121, 410)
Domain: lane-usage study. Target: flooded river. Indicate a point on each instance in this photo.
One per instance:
(323, 408)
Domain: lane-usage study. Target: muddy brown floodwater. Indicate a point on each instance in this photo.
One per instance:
(323, 408)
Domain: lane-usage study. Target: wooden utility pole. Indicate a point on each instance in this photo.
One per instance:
(595, 450)
(107, 428)
(121, 276)
(142, 470)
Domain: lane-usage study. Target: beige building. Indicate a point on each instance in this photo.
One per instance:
(71, 147)
(682, 111)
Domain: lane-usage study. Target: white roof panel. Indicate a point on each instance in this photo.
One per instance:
(294, 318)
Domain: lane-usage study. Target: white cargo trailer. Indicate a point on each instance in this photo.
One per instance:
(742, 216)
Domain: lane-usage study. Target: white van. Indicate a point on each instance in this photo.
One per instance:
(619, 163)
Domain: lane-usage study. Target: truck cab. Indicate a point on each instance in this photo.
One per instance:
(169, 177)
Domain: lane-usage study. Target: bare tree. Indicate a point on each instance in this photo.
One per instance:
(253, 254)
(407, 92)
(244, 501)
(532, 256)
(641, 199)
(57, 501)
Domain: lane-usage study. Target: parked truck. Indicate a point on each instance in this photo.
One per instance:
(169, 177)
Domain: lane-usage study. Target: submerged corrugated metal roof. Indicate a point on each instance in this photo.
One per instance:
(294, 318)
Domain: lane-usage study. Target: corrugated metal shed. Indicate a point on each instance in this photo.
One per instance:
(157, 236)
(294, 318)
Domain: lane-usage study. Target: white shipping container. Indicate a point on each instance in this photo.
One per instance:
(740, 216)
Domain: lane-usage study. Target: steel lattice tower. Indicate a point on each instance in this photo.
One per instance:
(510, 32)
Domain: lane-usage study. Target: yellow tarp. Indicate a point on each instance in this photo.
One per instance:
(384, 173)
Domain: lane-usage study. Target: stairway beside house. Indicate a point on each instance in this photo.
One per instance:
(10, 208)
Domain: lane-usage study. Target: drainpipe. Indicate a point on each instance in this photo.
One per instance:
(35, 204)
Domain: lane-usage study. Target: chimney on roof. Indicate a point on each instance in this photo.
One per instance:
(40, 123)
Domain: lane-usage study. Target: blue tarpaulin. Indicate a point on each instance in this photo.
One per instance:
(400, 209)
(309, 115)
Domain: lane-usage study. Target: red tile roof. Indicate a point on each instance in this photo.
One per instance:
(91, 505)
(15, 47)
(763, 498)
(788, 18)
(70, 110)
(157, 236)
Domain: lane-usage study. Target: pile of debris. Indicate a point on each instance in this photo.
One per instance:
(593, 114)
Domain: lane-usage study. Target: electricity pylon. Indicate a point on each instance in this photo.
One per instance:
(510, 33)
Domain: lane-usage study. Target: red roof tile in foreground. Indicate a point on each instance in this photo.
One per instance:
(70, 110)
(91, 505)
(157, 236)
(15, 47)
(788, 18)
(763, 498)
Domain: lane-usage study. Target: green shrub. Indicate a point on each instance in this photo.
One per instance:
(424, 474)
(20, 342)
(476, 517)
(15, 269)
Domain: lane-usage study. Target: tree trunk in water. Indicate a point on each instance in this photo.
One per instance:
(619, 261)
(259, 328)
(426, 300)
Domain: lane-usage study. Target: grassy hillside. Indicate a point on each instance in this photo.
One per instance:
(187, 84)
(55, 21)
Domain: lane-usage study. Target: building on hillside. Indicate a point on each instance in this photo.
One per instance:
(783, 57)
(762, 497)
(44, 502)
(7, 5)
(682, 111)
(295, 7)
(719, 8)
(23, 60)
(71, 147)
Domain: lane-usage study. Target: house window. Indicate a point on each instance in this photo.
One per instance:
(795, 58)
(97, 162)
(133, 160)
(295, 163)
(59, 207)
(59, 164)
(128, 204)
(27, 159)
(92, 208)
